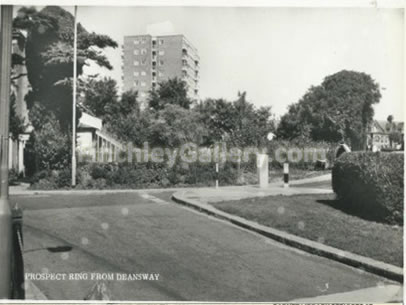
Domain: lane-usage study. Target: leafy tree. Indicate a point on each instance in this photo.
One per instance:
(216, 115)
(49, 57)
(173, 91)
(340, 109)
(174, 125)
(122, 117)
(49, 62)
(394, 135)
(239, 123)
(100, 95)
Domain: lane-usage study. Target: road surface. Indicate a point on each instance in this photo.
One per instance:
(194, 257)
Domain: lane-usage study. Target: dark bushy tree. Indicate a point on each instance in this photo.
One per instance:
(341, 108)
(173, 92)
(239, 123)
(100, 95)
(49, 61)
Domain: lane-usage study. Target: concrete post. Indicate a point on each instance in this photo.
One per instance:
(263, 170)
(285, 174)
(5, 211)
(217, 175)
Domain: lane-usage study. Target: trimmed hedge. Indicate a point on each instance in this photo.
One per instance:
(314, 150)
(371, 183)
(138, 175)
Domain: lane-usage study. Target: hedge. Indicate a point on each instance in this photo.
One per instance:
(316, 150)
(138, 175)
(371, 183)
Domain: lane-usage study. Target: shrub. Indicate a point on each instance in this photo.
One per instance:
(305, 146)
(371, 183)
(13, 176)
(137, 175)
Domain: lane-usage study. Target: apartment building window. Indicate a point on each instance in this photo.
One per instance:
(153, 43)
(136, 63)
(161, 53)
(160, 74)
(136, 82)
(161, 41)
(143, 84)
(143, 62)
(143, 73)
(184, 73)
(136, 41)
(136, 52)
(136, 73)
(143, 40)
(161, 62)
(143, 51)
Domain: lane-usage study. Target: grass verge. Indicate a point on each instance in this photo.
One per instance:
(320, 218)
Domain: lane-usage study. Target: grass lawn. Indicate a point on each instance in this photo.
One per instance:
(320, 218)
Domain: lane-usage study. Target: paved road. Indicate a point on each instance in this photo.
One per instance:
(198, 258)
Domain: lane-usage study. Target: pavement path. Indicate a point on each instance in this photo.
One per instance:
(197, 257)
(297, 187)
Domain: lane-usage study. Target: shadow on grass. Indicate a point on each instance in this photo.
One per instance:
(370, 215)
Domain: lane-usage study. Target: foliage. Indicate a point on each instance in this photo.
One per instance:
(340, 109)
(371, 183)
(13, 176)
(136, 175)
(174, 126)
(395, 135)
(99, 96)
(311, 152)
(173, 92)
(238, 123)
(49, 146)
(49, 62)
(17, 124)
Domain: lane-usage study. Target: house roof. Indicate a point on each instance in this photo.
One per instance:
(383, 126)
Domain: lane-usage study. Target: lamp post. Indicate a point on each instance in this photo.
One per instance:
(5, 211)
(75, 39)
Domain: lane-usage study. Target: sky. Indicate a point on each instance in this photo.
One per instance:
(274, 54)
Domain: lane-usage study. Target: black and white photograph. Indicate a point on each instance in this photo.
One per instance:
(168, 151)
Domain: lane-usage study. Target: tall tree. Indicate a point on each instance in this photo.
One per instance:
(49, 61)
(100, 95)
(49, 57)
(340, 109)
(391, 127)
(172, 91)
(239, 123)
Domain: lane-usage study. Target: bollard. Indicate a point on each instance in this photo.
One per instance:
(286, 174)
(217, 175)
